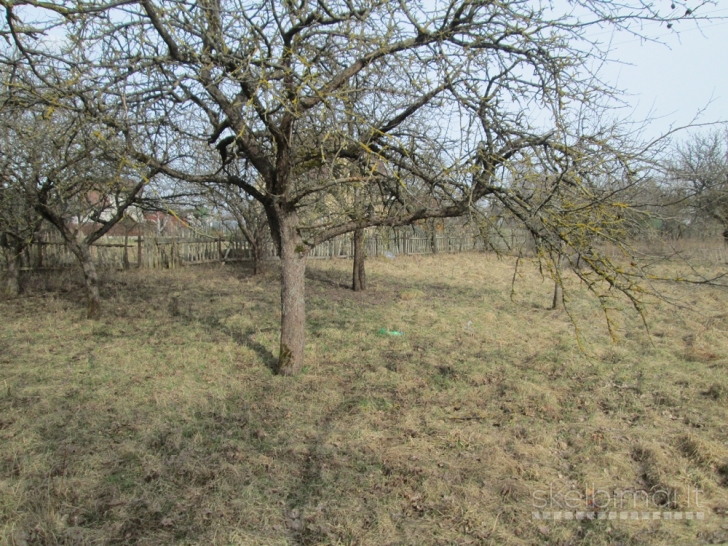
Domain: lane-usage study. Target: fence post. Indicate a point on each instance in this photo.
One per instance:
(219, 248)
(40, 252)
(139, 251)
(125, 258)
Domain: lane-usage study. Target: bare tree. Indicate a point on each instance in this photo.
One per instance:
(698, 170)
(19, 222)
(449, 96)
(69, 168)
(249, 218)
(351, 203)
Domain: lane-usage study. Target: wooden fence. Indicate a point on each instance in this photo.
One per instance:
(139, 251)
(149, 251)
(154, 252)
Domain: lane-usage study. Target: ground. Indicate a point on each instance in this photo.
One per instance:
(163, 424)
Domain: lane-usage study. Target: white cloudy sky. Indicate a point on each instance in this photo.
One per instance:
(673, 81)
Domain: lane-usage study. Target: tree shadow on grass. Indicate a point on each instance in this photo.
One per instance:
(327, 278)
(242, 337)
(246, 338)
(313, 489)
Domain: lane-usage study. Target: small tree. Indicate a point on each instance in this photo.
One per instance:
(699, 170)
(19, 222)
(249, 218)
(355, 202)
(68, 169)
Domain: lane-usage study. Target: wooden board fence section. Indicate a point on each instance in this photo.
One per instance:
(154, 252)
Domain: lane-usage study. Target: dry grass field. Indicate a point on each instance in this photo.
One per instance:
(162, 423)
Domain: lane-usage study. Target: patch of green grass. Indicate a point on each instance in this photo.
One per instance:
(163, 424)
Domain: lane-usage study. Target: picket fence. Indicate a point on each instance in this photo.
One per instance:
(153, 252)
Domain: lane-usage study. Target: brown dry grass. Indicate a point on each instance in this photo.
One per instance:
(162, 424)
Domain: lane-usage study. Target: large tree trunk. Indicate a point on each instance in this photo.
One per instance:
(433, 237)
(359, 277)
(125, 260)
(12, 259)
(293, 306)
(558, 300)
(257, 247)
(82, 252)
(256, 252)
(93, 309)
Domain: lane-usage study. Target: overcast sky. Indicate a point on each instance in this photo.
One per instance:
(671, 82)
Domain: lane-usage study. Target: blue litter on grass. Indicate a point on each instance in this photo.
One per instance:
(386, 332)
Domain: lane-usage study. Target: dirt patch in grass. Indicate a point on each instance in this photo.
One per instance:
(162, 423)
